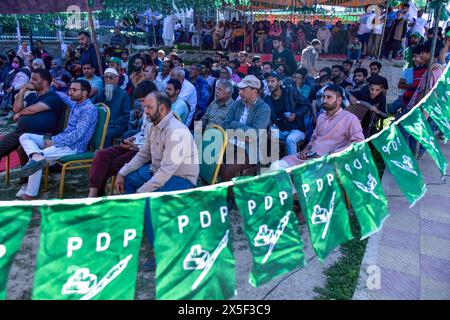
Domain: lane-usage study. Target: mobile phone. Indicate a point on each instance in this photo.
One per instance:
(310, 154)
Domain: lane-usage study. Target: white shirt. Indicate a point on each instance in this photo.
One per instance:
(363, 28)
(189, 94)
(162, 80)
(420, 26)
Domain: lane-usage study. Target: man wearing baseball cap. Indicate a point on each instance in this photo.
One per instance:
(414, 39)
(250, 113)
(124, 80)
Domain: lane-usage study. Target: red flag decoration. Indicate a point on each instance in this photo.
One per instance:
(45, 6)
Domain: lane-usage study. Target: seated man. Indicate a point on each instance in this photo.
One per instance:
(107, 162)
(375, 68)
(124, 80)
(250, 114)
(203, 92)
(74, 139)
(338, 76)
(155, 167)
(119, 105)
(179, 107)
(41, 112)
(336, 129)
(289, 109)
(218, 109)
(95, 81)
(360, 79)
(373, 98)
(188, 93)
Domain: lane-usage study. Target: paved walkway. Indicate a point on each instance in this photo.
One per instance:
(412, 251)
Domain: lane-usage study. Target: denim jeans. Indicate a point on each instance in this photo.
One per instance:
(135, 180)
(354, 54)
(291, 138)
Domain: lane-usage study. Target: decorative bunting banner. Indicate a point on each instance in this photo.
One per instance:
(323, 205)
(193, 245)
(440, 113)
(270, 225)
(401, 163)
(14, 221)
(416, 125)
(359, 177)
(89, 250)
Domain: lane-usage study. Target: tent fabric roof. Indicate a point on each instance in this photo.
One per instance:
(42, 7)
(282, 4)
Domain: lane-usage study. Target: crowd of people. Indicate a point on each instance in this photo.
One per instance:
(153, 95)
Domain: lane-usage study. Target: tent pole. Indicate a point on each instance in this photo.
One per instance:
(251, 20)
(94, 37)
(430, 64)
(433, 43)
(380, 46)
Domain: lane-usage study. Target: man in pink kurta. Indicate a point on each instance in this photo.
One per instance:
(336, 129)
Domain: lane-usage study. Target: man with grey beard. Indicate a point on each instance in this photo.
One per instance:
(119, 104)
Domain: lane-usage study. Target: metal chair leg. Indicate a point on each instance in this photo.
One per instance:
(61, 181)
(46, 173)
(113, 182)
(8, 167)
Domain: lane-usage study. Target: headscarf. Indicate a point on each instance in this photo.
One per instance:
(57, 72)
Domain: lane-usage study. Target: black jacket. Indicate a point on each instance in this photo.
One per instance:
(293, 102)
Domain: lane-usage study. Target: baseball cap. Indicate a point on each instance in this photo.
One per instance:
(112, 70)
(273, 74)
(415, 34)
(250, 81)
(115, 60)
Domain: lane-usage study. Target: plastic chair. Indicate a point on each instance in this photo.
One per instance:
(83, 160)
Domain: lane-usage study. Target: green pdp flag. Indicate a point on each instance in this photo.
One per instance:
(401, 163)
(89, 250)
(440, 113)
(359, 177)
(14, 222)
(193, 245)
(322, 204)
(265, 203)
(416, 125)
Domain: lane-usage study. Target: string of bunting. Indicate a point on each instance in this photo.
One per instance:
(89, 247)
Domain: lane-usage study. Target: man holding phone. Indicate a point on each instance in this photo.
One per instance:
(336, 129)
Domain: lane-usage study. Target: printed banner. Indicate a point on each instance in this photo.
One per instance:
(359, 177)
(265, 203)
(323, 205)
(401, 163)
(416, 125)
(14, 221)
(89, 251)
(440, 113)
(193, 245)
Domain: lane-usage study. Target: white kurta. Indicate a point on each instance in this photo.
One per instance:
(168, 29)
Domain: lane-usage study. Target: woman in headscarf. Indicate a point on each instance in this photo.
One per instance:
(37, 64)
(60, 77)
(17, 78)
